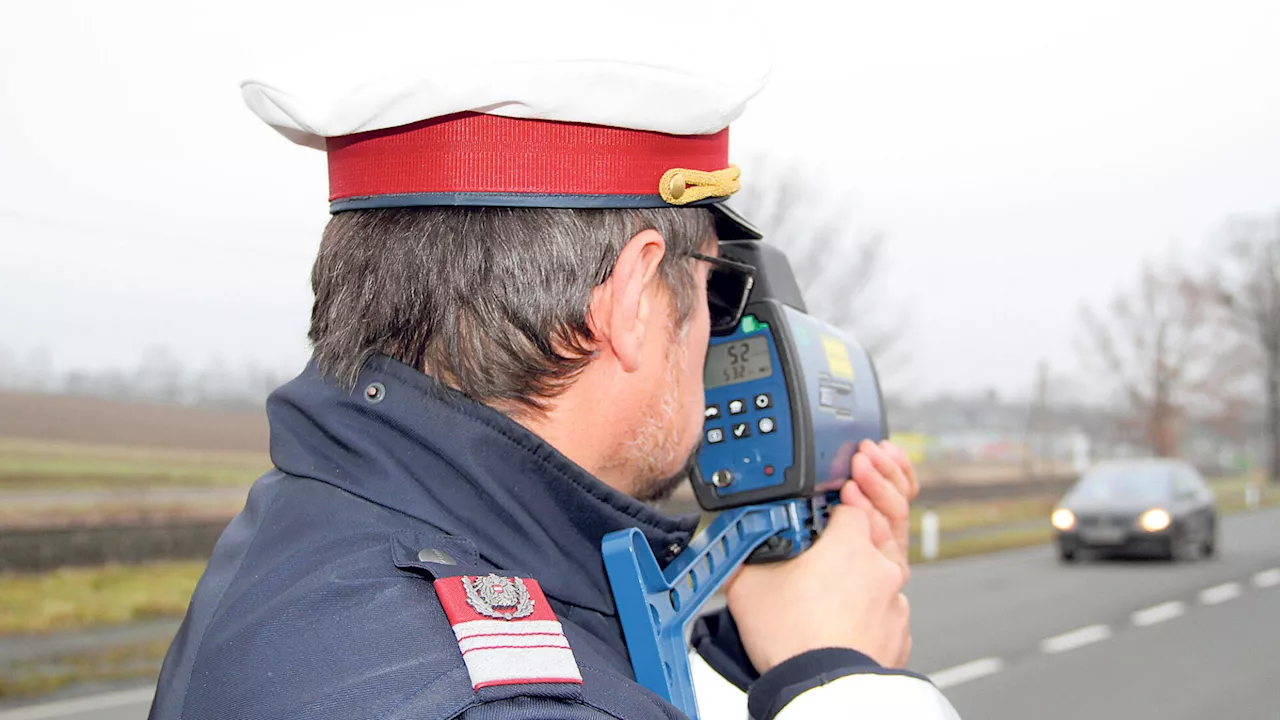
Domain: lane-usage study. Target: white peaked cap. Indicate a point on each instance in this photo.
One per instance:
(683, 68)
(531, 104)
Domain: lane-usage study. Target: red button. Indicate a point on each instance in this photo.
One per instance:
(768, 470)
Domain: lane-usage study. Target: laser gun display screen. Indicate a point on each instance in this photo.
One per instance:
(736, 362)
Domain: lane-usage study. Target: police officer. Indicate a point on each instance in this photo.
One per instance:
(512, 307)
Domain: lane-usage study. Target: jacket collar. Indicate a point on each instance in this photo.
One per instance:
(430, 453)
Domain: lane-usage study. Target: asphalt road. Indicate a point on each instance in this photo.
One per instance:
(1017, 635)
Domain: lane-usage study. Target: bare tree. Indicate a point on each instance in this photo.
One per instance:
(1246, 281)
(1161, 348)
(835, 264)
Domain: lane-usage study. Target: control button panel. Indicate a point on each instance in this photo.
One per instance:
(748, 440)
(765, 425)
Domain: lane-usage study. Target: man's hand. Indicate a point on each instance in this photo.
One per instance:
(884, 484)
(843, 592)
(846, 590)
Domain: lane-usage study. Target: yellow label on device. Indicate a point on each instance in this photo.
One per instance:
(837, 357)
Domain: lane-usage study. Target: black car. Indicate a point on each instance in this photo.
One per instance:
(1138, 507)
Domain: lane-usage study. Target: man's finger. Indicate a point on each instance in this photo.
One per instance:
(848, 526)
(853, 530)
(909, 469)
(888, 467)
(880, 531)
(888, 544)
(884, 495)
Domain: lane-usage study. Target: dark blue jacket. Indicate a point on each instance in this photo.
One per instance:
(319, 603)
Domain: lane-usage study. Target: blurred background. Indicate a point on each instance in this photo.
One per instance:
(1056, 226)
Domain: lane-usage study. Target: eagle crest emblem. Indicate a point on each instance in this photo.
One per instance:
(498, 597)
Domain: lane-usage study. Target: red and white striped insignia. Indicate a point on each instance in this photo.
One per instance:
(507, 632)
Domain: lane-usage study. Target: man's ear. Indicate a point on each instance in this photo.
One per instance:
(621, 307)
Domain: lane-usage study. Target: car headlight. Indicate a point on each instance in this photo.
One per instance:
(1063, 519)
(1155, 520)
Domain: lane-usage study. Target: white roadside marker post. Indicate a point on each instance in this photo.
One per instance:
(929, 527)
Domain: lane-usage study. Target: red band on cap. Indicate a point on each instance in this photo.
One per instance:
(478, 153)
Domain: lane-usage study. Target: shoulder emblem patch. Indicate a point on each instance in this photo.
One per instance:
(506, 631)
(498, 597)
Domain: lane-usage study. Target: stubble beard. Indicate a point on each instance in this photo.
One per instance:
(654, 450)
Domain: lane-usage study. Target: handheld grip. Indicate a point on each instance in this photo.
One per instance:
(657, 605)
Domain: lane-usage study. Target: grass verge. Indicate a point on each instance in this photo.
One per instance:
(1231, 494)
(77, 598)
(988, 542)
(957, 516)
(31, 465)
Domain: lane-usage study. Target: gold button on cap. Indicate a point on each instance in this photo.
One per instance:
(676, 186)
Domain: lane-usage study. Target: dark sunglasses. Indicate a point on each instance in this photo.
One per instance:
(728, 287)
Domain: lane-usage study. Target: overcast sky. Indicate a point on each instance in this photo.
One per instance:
(1021, 157)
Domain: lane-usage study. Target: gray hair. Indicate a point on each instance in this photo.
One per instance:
(492, 301)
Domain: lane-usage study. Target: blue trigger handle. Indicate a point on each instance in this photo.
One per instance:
(656, 606)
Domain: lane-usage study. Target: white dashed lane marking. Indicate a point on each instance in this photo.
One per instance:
(1267, 578)
(1090, 634)
(1220, 593)
(1075, 638)
(1158, 613)
(953, 676)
